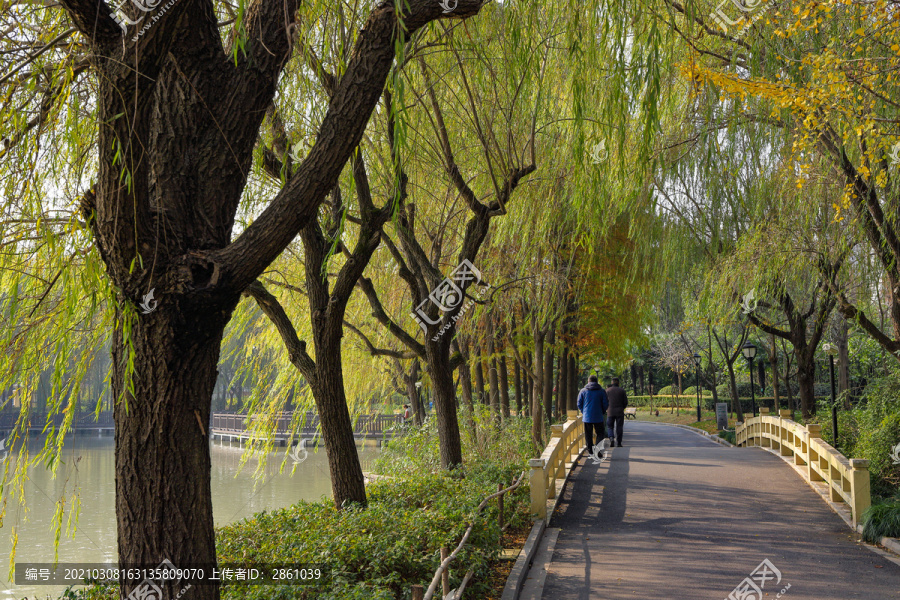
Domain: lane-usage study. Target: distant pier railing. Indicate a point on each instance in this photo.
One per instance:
(86, 423)
(236, 426)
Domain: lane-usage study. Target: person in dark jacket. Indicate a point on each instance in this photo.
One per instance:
(592, 402)
(618, 402)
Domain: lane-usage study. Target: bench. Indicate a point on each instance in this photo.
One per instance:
(631, 413)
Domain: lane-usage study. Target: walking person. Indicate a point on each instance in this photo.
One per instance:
(592, 402)
(618, 402)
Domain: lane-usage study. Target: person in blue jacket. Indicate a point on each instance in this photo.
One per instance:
(592, 402)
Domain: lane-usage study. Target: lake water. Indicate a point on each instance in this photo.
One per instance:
(235, 495)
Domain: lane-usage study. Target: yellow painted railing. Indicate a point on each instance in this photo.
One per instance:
(563, 450)
(847, 479)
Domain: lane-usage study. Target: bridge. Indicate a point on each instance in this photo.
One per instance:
(674, 514)
(234, 427)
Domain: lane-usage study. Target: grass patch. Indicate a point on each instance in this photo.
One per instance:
(881, 520)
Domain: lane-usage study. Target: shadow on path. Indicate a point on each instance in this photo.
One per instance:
(671, 515)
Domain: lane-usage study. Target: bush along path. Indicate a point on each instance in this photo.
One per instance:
(381, 551)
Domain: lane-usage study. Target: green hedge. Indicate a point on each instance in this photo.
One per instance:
(380, 551)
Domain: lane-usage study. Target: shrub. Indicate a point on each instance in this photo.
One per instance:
(728, 436)
(669, 390)
(692, 391)
(875, 444)
(881, 520)
(379, 551)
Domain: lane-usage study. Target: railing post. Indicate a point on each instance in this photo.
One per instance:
(556, 431)
(784, 414)
(814, 431)
(765, 433)
(538, 484)
(572, 422)
(859, 488)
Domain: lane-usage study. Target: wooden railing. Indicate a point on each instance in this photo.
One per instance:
(366, 424)
(847, 479)
(563, 450)
(37, 420)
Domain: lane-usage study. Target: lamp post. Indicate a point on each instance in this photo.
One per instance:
(697, 363)
(831, 350)
(749, 352)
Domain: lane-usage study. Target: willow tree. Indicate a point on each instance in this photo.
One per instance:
(172, 116)
(821, 76)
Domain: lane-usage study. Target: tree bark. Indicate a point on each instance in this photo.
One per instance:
(504, 386)
(163, 494)
(438, 361)
(412, 392)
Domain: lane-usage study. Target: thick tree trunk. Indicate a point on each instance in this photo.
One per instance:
(412, 392)
(806, 376)
(438, 360)
(347, 482)
(163, 495)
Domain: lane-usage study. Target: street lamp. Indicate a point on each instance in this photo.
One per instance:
(697, 363)
(831, 350)
(749, 352)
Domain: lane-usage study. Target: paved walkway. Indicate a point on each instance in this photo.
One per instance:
(674, 516)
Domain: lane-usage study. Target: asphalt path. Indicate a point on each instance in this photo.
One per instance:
(672, 515)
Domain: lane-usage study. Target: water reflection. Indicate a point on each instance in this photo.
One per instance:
(87, 472)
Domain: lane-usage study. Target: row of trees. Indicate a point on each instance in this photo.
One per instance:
(330, 167)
